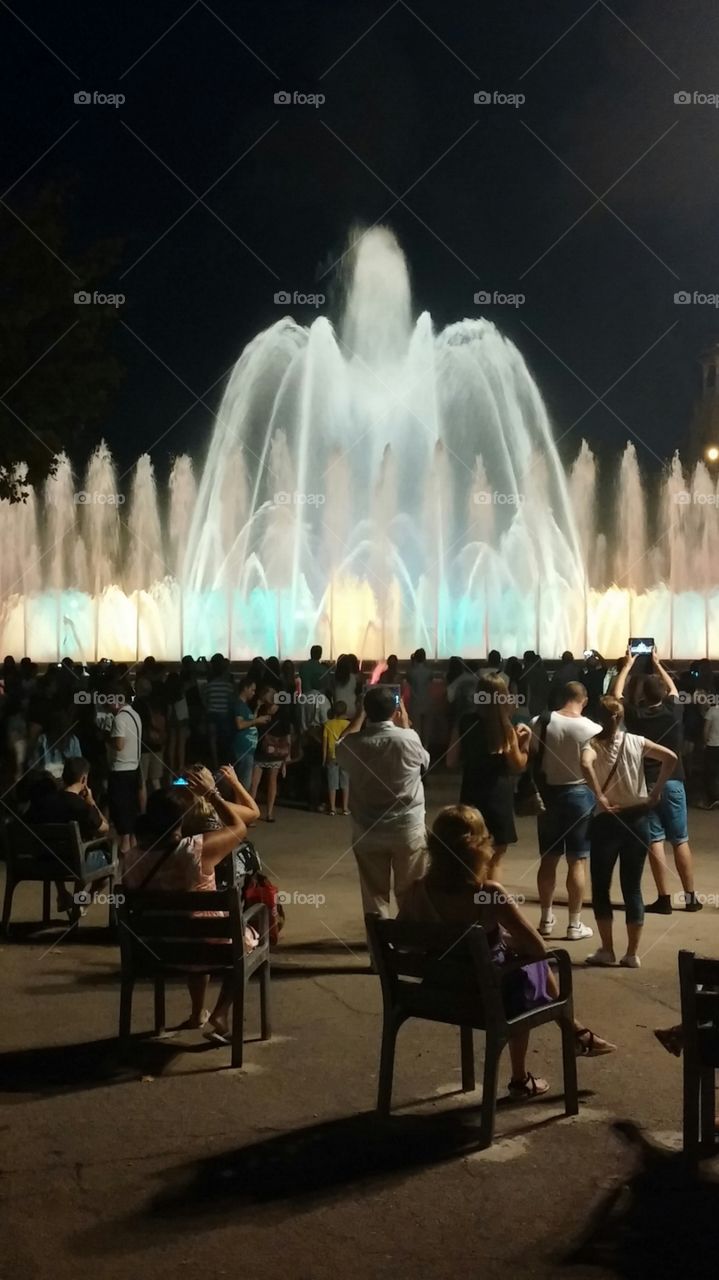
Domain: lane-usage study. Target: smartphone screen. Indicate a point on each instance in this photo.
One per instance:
(641, 644)
(396, 690)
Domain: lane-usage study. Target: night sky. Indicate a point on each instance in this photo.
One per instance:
(492, 190)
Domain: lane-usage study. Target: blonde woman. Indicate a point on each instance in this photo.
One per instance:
(613, 764)
(493, 752)
(457, 890)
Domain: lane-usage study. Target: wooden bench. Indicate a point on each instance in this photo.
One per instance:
(446, 974)
(160, 938)
(699, 993)
(49, 852)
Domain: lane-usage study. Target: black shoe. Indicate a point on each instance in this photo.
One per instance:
(692, 904)
(662, 907)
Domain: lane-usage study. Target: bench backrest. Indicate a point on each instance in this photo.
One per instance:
(440, 972)
(699, 992)
(159, 929)
(48, 849)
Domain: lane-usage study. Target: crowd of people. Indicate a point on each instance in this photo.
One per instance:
(176, 761)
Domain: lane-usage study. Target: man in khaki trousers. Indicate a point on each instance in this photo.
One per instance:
(385, 761)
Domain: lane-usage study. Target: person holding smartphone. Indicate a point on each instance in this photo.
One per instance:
(658, 714)
(385, 762)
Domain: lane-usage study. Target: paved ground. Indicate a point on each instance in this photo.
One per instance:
(279, 1169)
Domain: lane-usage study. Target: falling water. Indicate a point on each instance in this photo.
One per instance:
(373, 487)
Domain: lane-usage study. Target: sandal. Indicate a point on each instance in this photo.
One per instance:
(530, 1087)
(593, 1046)
(670, 1038)
(218, 1038)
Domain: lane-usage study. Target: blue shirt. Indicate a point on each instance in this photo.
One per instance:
(245, 739)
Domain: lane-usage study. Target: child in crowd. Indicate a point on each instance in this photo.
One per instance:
(336, 778)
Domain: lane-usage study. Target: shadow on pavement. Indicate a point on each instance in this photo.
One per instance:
(660, 1221)
(92, 1064)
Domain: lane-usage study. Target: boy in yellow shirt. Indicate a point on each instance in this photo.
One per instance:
(337, 778)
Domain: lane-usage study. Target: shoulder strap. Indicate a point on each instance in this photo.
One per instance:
(615, 766)
(153, 870)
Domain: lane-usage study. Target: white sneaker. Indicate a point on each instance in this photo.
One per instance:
(606, 959)
(546, 926)
(631, 962)
(575, 932)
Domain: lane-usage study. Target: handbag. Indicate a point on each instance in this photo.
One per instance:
(528, 802)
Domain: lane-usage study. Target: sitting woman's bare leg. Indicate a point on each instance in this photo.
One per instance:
(197, 987)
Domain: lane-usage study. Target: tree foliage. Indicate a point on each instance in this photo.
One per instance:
(58, 372)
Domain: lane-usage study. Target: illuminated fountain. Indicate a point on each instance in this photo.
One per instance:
(373, 487)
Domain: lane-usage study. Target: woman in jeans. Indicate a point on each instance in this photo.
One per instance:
(613, 764)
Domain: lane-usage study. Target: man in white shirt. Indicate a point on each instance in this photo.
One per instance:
(385, 763)
(563, 829)
(125, 781)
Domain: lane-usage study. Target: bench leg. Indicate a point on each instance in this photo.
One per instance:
(466, 1042)
(159, 1005)
(7, 903)
(126, 989)
(238, 1022)
(492, 1052)
(265, 1022)
(569, 1067)
(46, 888)
(386, 1066)
(708, 1106)
(691, 1088)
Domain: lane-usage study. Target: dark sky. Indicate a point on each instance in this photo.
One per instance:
(494, 211)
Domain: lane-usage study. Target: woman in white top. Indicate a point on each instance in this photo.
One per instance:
(613, 765)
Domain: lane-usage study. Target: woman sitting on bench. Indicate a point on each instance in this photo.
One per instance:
(456, 890)
(162, 858)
